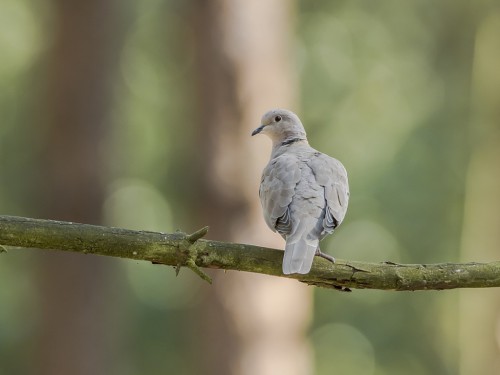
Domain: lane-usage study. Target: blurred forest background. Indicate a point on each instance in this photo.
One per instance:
(138, 114)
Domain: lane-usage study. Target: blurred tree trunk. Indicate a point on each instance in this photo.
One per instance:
(74, 336)
(251, 324)
(480, 311)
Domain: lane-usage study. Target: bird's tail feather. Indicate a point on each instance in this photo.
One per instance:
(299, 256)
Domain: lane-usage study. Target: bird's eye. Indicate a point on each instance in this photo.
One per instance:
(277, 118)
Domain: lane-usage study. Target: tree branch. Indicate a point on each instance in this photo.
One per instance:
(180, 249)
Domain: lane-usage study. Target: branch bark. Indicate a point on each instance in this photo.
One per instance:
(180, 249)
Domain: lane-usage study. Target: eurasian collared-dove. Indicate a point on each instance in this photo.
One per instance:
(304, 193)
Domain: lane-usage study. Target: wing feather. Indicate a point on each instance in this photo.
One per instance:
(277, 189)
(331, 174)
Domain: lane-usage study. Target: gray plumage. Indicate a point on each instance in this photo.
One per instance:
(304, 193)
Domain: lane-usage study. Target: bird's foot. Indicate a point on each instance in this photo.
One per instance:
(325, 256)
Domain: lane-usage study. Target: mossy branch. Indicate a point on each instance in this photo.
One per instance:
(180, 249)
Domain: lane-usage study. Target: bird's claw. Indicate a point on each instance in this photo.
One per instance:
(325, 256)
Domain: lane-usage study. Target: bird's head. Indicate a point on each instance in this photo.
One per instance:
(281, 125)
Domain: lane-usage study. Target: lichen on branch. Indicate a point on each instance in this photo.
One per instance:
(192, 251)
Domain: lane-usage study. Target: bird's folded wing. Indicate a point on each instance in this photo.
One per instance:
(277, 189)
(331, 174)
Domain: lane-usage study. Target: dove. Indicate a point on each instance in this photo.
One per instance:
(304, 193)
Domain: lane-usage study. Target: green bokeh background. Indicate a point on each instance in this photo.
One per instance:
(385, 87)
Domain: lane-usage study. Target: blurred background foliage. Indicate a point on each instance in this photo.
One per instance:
(403, 93)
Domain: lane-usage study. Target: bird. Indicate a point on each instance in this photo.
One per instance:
(304, 193)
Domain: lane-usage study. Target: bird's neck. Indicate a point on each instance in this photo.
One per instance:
(282, 145)
(292, 140)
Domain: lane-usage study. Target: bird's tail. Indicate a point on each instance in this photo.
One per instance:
(299, 255)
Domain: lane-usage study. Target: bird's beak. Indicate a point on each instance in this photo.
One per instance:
(258, 130)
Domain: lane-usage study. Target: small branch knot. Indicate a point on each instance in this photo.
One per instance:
(193, 237)
(192, 253)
